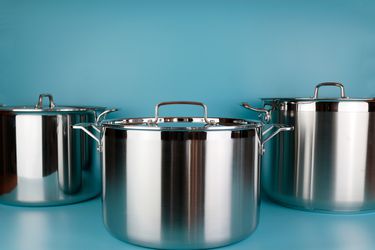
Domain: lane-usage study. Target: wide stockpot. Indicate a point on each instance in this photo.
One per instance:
(328, 162)
(43, 161)
(181, 182)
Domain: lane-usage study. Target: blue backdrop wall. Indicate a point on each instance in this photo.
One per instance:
(132, 54)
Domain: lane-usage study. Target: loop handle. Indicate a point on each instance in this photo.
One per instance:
(334, 84)
(39, 104)
(205, 117)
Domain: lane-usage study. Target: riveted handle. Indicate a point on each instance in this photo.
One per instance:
(334, 84)
(84, 127)
(102, 115)
(265, 113)
(96, 126)
(39, 104)
(279, 128)
(205, 117)
(276, 128)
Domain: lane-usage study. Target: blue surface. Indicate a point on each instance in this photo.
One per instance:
(80, 227)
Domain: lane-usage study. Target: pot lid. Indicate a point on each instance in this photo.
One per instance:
(51, 108)
(343, 97)
(203, 123)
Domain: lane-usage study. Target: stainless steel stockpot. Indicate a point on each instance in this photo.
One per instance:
(328, 162)
(181, 182)
(43, 161)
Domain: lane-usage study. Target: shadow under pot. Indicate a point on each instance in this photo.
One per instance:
(328, 162)
(43, 161)
(181, 182)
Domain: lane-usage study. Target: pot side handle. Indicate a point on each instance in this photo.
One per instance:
(96, 126)
(84, 126)
(279, 128)
(102, 115)
(265, 113)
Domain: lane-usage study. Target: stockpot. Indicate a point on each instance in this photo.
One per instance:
(43, 161)
(181, 182)
(328, 162)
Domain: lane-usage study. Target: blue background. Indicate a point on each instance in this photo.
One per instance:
(132, 54)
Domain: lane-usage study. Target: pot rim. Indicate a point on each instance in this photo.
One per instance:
(58, 109)
(315, 98)
(196, 124)
(311, 100)
(50, 108)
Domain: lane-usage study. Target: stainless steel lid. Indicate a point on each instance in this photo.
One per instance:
(51, 108)
(314, 104)
(203, 123)
(343, 97)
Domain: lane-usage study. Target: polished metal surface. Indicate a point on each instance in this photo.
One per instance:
(180, 182)
(43, 161)
(158, 123)
(328, 162)
(51, 108)
(177, 190)
(182, 124)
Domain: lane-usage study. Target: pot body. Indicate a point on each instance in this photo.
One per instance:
(328, 162)
(43, 161)
(180, 189)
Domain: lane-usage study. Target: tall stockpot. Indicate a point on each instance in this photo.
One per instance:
(181, 182)
(43, 161)
(328, 162)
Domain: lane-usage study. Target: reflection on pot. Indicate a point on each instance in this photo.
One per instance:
(181, 182)
(43, 160)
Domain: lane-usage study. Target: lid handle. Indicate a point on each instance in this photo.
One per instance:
(157, 107)
(335, 84)
(39, 104)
